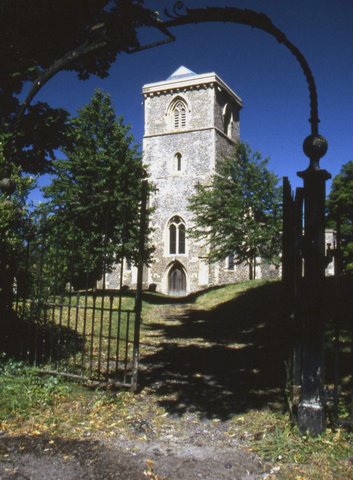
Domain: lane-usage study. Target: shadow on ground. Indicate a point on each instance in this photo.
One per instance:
(46, 458)
(34, 337)
(222, 361)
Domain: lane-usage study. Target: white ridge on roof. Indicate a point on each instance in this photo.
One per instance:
(182, 72)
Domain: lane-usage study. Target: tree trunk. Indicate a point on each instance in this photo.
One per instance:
(6, 285)
(250, 269)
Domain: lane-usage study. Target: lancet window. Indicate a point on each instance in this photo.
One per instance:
(177, 162)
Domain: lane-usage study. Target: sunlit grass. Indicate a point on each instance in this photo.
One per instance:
(214, 297)
(33, 404)
(293, 456)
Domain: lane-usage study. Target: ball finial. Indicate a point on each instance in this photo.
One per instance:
(315, 147)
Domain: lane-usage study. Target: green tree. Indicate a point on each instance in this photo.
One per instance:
(14, 222)
(40, 39)
(340, 214)
(240, 211)
(93, 199)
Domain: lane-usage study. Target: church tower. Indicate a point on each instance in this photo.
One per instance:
(191, 122)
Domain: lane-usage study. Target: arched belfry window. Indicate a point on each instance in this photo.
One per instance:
(178, 114)
(176, 233)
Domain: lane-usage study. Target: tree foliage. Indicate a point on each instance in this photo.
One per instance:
(240, 211)
(41, 38)
(340, 213)
(14, 222)
(93, 201)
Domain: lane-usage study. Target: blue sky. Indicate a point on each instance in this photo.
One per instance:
(274, 119)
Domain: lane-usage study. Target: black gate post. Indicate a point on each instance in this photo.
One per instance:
(291, 278)
(138, 298)
(298, 332)
(311, 411)
(288, 240)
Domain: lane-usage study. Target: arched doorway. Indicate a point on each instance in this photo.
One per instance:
(176, 280)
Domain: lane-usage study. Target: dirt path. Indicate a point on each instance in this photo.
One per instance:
(187, 447)
(178, 427)
(202, 454)
(172, 423)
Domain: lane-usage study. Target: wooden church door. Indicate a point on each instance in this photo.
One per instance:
(176, 281)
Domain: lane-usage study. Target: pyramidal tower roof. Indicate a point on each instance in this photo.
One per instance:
(181, 72)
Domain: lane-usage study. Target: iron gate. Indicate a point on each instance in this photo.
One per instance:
(337, 375)
(87, 332)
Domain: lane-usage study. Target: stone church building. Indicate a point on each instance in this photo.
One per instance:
(191, 122)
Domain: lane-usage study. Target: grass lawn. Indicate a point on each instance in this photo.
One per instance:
(220, 353)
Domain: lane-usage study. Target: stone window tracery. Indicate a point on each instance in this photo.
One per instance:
(178, 114)
(176, 231)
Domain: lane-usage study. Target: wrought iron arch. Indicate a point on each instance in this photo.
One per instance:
(311, 410)
(253, 19)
